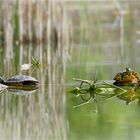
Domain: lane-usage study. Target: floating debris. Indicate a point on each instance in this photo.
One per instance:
(25, 67)
(3, 87)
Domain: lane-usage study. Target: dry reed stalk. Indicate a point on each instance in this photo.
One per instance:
(30, 33)
(29, 19)
(121, 19)
(21, 7)
(41, 72)
(51, 87)
(8, 33)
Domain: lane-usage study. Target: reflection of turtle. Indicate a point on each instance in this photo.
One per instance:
(127, 77)
(19, 81)
(21, 91)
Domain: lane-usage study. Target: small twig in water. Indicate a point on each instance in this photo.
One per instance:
(89, 101)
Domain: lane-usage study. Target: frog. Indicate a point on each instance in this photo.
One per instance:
(127, 77)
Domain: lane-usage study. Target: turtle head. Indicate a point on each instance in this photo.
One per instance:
(2, 81)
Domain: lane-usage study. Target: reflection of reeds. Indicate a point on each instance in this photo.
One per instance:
(8, 34)
(56, 72)
(36, 29)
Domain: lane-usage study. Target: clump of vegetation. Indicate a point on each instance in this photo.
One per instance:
(89, 90)
(34, 64)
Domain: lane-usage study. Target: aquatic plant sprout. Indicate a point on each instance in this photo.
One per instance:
(25, 67)
(35, 63)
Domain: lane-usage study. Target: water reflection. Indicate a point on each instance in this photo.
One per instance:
(89, 91)
(21, 91)
(131, 94)
(24, 88)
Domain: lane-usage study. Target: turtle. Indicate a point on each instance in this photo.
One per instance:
(19, 81)
(128, 77)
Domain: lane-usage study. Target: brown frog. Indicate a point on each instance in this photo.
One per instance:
(129, 76)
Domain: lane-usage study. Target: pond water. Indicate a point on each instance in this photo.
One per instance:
(105, 40)
(107, 48)
(111, 118)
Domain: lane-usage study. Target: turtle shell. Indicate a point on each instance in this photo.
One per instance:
(21, 80)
